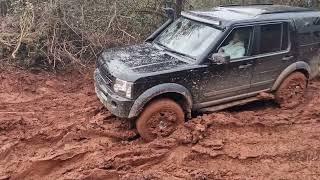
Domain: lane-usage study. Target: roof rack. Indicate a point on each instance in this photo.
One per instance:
(253, 4)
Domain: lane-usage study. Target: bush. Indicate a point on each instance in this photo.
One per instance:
(60, 33)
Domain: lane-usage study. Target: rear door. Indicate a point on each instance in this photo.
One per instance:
(272, 54)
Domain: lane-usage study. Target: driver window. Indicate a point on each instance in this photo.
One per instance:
(237, 44)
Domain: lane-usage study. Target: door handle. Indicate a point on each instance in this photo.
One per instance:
(245, 66)
(287, 58)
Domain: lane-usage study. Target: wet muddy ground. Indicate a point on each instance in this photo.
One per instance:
(53, 127)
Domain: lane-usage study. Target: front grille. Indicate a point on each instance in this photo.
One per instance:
(106, 77)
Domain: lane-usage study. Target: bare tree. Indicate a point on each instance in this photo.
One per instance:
(179, 6)
(3, 8)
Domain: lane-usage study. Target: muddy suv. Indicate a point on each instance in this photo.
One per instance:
(211, 60)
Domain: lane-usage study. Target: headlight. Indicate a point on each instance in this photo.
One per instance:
(124, 87)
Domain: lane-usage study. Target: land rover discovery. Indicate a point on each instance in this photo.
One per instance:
(210, 60)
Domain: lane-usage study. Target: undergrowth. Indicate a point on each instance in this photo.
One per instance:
(59, 34)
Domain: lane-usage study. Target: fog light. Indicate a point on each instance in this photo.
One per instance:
(113, 104)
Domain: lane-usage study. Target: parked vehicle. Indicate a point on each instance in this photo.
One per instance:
(211, 60)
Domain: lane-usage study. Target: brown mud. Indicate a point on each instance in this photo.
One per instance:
(53, 127)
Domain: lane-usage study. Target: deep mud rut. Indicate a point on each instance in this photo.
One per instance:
(53, 127)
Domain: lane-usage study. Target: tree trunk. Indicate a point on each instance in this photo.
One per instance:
(258, 1)
(316, 4)
(3, 8)
(179, 7)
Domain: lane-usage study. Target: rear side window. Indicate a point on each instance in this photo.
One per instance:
(308, 30)
(273, 38)
(270, 38)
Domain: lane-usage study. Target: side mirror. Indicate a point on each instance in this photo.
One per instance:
(220, 58)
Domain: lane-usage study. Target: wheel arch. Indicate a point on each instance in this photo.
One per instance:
(299, 66)
(176, 92)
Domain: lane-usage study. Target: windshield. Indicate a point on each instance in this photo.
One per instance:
(188, 37)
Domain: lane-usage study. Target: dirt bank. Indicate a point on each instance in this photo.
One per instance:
(53, 127)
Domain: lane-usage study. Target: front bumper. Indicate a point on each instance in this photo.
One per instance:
(117, 105)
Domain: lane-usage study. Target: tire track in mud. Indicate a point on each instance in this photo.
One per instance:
(63, 132)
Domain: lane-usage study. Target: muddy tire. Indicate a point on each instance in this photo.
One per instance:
(292, 90)
(160, 119)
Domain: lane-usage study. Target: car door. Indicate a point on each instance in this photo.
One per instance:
(272, 54)
(226, 81)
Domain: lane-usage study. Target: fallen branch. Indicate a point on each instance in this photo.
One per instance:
(18, 45)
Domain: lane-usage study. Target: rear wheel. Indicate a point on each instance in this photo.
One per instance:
(292, 90)
(160, 119)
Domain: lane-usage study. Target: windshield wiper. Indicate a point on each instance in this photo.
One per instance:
(173, 51)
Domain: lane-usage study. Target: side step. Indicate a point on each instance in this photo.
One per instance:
(228, 105)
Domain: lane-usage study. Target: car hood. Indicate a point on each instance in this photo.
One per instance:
(139, 60)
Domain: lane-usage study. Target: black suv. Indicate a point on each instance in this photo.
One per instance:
(210, 60)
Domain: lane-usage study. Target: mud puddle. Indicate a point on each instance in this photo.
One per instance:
(53, 127)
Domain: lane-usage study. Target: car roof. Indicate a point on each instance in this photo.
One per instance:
(225, 15)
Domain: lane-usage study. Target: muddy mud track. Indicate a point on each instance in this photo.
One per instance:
(53, 127)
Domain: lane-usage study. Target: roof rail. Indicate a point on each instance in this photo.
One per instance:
(289, 11)
(253, 4)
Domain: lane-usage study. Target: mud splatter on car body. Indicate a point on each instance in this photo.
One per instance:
(177, 62)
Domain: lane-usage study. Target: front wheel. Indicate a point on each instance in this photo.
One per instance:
(292, 90)
(160, 119)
